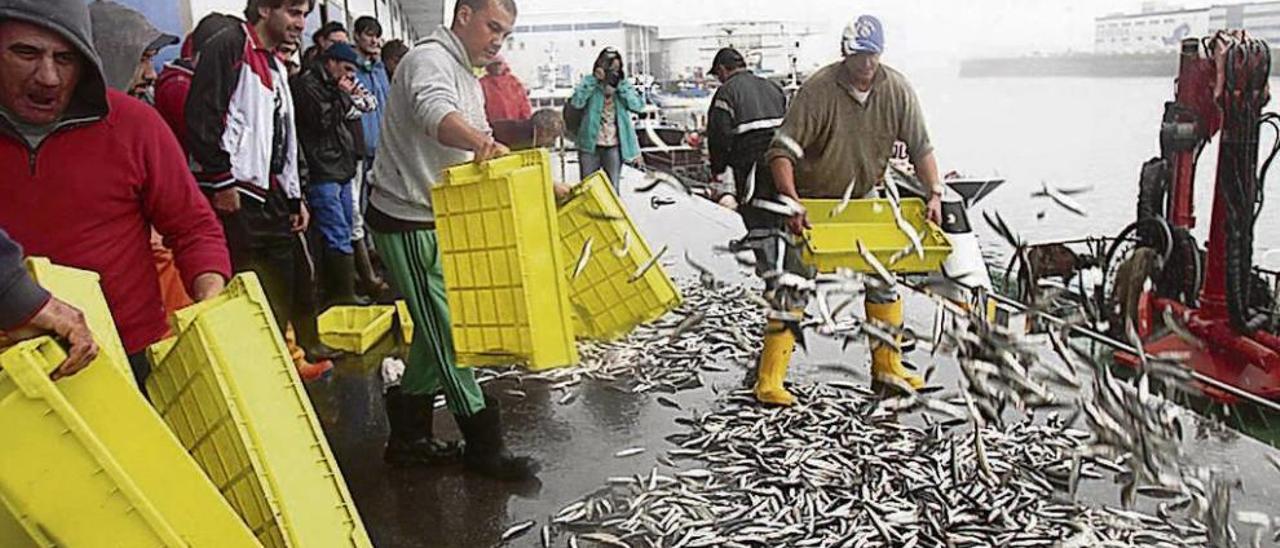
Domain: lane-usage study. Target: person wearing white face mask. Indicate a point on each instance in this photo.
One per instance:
(606, 137)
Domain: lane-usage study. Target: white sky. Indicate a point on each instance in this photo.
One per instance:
(917, 29)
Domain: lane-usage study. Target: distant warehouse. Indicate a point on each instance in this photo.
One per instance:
(1160, 27)
(1142, 44)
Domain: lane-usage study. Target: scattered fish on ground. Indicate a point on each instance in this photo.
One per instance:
(843, 468)
(840, 471)
(705, 276)
(515, 531)
(663, 356)
(657, 202)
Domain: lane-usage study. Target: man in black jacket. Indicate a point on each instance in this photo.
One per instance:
(322, 96)
(745, 113)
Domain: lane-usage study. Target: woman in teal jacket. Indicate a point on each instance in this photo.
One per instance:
(606, 137)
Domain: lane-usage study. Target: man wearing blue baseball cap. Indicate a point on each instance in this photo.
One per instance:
(323, 96)
(840, 133)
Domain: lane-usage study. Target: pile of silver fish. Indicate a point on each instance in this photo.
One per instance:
(715, 327)
(1134, 423)
(1130, 425)
(840, 470)
(980, 466)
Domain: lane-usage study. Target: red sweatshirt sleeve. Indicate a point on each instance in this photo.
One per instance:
(171, 101)
(176, 207)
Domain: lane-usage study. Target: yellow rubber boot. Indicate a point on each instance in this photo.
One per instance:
(779, 343)
(886, 361)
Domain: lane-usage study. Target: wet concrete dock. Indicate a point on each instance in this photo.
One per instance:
(576, 442)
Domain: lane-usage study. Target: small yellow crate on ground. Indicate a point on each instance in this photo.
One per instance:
(88, 463)
(228, 389)
(406, 322)
(832, 242)
(503, 263)
(607, 302)
(355, 329)
(81, 289)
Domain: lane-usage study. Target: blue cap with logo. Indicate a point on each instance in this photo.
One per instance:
(864, 35)
(343, 52)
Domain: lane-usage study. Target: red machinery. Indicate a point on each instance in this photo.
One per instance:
(1221, 88)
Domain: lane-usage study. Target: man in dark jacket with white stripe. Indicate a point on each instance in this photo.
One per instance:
(744, 114)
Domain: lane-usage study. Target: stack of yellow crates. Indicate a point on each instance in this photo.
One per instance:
(510, 258)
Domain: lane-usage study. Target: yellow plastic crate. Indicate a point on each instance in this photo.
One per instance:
(606, 304)
(406, 322)
(88, 463)
(503, 263)
(355, 328)
(13, 534)
(832, 242)
(228, 389)
(81, 289)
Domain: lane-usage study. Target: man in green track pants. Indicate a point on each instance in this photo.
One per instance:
(435, 119)
(414, 261)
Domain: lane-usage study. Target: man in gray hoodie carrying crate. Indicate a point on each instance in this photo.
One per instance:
(435, 119)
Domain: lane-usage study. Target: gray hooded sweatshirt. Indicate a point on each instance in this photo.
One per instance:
(121, 35)
(433, 81)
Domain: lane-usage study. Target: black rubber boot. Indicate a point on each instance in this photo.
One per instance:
(367, 280)
(309, 339)
(340, 275)
(485, 453)
(410, 442)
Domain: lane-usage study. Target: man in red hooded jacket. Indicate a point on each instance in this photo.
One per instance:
(505, 98)
(86, 172)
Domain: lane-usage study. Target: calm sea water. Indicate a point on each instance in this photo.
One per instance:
(1068, 132)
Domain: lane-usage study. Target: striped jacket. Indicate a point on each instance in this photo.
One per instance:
(240, 119)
